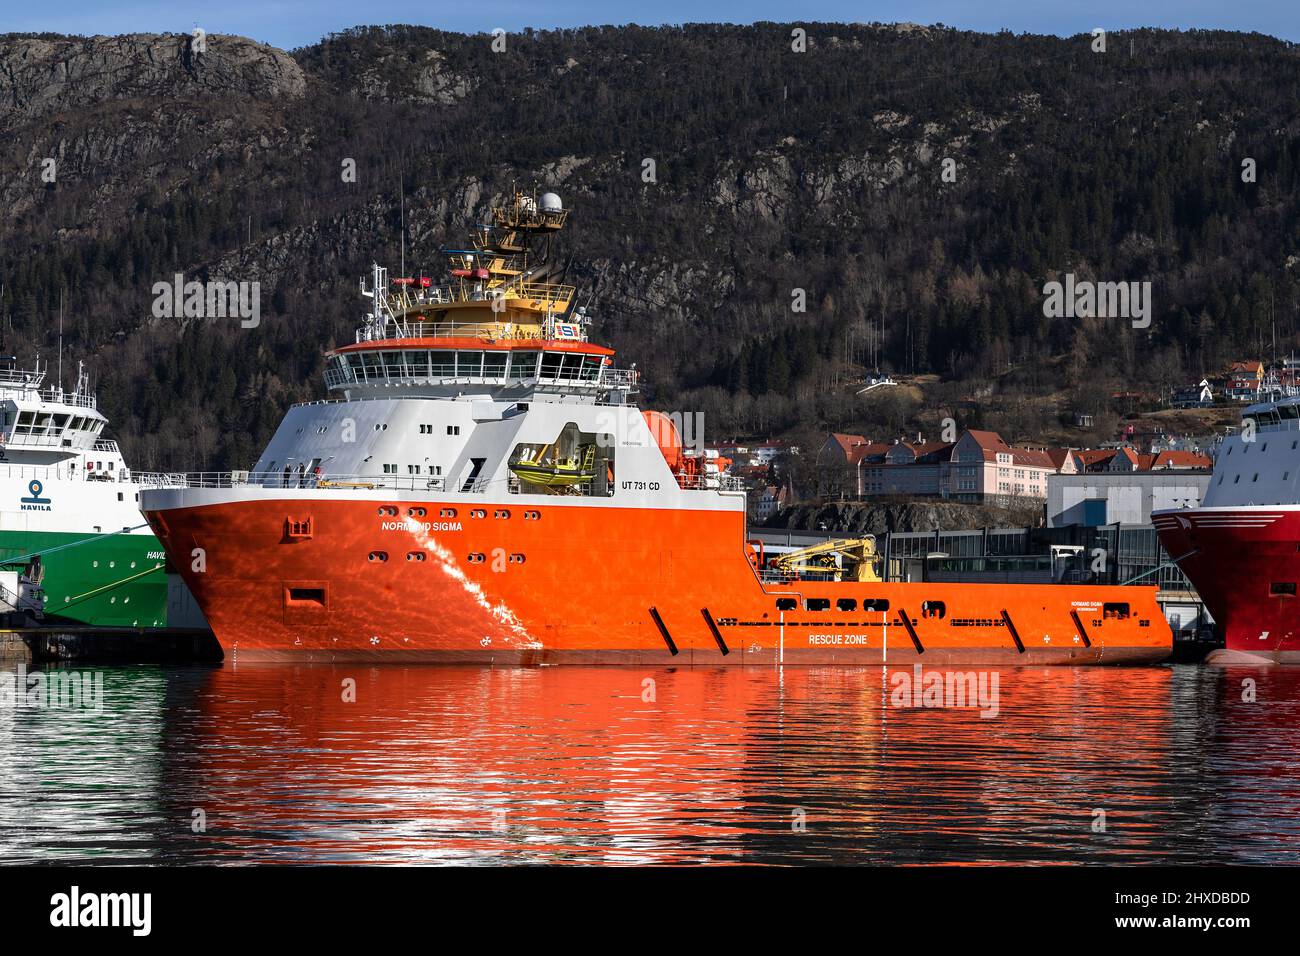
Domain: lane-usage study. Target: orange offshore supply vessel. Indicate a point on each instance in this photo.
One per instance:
(484, 489)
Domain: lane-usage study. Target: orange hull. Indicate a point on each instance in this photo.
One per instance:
(587, 584)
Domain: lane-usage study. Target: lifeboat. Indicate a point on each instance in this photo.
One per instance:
(557, 474)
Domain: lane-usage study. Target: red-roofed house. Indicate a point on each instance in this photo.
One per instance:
(841, 460)
(1181, 460)
(979, 466)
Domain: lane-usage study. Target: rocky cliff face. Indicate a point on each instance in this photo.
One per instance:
(40, 77)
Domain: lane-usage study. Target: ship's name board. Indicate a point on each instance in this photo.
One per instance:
(409, 525)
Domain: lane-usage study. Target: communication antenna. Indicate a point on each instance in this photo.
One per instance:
(401, 190)
(60, 339)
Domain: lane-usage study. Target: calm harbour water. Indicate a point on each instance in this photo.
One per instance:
(471, 766)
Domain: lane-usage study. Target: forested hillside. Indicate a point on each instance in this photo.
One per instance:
(774, 170)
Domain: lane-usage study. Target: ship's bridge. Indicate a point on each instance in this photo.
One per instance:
(1280, 415)
(37, 417)
(455, 365)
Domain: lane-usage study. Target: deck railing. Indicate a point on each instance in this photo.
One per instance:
(278, 480)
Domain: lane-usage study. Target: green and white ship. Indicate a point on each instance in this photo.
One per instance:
(73, 546)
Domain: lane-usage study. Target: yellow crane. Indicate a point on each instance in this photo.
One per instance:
(845, 559)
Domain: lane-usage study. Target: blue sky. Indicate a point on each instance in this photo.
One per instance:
(291, 23)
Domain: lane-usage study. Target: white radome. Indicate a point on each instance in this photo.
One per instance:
(551, 203)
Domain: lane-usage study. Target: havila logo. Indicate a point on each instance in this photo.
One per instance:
(74, 909)
(1084, 299)
(34, 501)
(940, 689)
(214, 299)
(52, 690)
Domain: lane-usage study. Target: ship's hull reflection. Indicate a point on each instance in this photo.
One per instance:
(468, 765)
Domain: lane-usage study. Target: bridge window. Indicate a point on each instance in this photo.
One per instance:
(417, 364)
(523, 365)
(494, 365)
(572, 366)
(469, 364)
(442, 364)
(551, 362)
(372, 367)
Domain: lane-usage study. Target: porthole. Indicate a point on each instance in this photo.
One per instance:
(532, 515)
(415, 556)
(377, 556)
(416, 512)
(447, 513)
(478, 513)
(388, 511)
(501, 514)
(933, 609)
